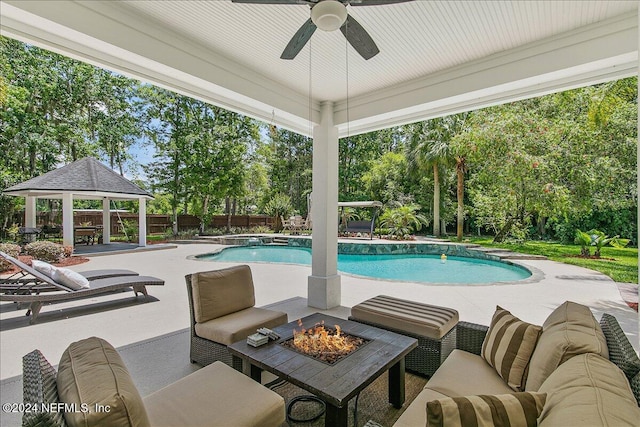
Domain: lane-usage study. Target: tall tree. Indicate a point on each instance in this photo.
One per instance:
(429, 146)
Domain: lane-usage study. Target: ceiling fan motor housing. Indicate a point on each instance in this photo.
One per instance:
(329, 15)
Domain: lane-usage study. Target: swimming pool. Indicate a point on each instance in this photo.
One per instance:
(406, 267)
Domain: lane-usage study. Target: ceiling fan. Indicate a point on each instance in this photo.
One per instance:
(329, 15)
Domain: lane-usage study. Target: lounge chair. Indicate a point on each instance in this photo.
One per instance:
(29, 280)
(36, 298)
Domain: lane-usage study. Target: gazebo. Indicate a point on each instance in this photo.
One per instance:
(86, 179)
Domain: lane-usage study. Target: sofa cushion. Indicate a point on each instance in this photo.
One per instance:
(215, 395)
(415, 414)
(508, 346)
(465, 374)
(588, 390)
(513, 409)
(92, 373)
(570, 330)
(221, 292)
(239, 325)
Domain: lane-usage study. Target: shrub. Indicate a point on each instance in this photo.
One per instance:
(45, 251)
(9, 249)
(260, 229)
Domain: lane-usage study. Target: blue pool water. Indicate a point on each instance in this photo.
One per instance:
(408, 267)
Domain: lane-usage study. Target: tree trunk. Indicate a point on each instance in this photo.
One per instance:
(460, 195)
(436, 201)
(174, 212)
(228, 209)
(205, 209)
(502, 234)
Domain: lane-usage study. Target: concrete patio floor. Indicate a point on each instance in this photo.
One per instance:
(153, 335)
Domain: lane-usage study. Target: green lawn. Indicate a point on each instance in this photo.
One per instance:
(619, 264)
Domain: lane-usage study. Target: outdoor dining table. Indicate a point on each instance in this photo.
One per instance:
(87, 234)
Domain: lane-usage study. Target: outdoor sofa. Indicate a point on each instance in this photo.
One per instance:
(572, 371)
(48, 290)
(94, 385)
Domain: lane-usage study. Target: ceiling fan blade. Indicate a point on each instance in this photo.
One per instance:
(375, 2)
(274, 1)
(299, 39)
(358, 37)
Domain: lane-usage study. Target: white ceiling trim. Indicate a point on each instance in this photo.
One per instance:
(82, 33)
(105, 35)
(598, 53)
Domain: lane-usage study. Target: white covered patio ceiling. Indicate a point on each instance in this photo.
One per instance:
(436, 57)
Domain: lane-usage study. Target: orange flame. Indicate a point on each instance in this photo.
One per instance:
(319, 340)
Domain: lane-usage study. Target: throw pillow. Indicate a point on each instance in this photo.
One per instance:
(508, 347)
(516, 410)
(43, 267)
(70, 279)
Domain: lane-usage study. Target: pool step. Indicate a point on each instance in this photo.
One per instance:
(280, 241)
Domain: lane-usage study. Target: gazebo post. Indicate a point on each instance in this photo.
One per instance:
(142, 221)
(30, 211)
(67, 219)
(106, 221)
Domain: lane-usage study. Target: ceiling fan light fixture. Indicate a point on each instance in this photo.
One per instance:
(329, 15)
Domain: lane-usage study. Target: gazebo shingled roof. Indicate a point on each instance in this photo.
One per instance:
(84, 175)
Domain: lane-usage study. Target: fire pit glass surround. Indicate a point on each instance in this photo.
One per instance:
(325, 344)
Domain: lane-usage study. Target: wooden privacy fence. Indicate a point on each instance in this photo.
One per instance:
(155, 223)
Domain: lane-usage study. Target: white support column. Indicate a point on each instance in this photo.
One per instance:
(638, 163)
(324, 282)
(30, 211)
(142, 221)
(67, 219)
(106, 221)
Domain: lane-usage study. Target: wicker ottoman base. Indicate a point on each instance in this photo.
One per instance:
(430, 353)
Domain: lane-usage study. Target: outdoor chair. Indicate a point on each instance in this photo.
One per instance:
(28, 234)
(286, 224)
(221, 304)
(49, 291)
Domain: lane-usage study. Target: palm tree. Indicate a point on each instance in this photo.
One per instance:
(461, 170)
(430, 147)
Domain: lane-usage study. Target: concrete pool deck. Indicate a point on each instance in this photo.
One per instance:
(126, 322)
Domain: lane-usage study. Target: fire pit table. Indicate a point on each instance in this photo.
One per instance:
(335, 383)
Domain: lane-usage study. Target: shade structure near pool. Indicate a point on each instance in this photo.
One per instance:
(402, 267)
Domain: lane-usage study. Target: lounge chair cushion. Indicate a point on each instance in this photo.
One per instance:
(569, 330)
(221, 292)
(70, 279)
(513, 409)
(588, 390)
(43, 267)
(215, 395)
(509, 345)
(91, 372)
(239, 325)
